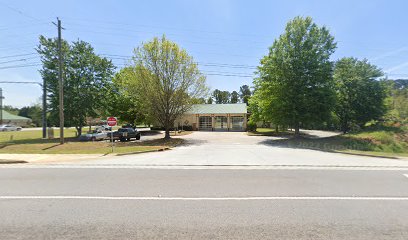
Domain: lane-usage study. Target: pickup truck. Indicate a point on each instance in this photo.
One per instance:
(124, 134)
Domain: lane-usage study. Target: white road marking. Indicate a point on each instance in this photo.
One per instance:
(202, 198)
(204, 167)
(406, 175)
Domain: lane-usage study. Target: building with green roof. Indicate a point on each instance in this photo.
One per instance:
(11, 119)
(216, 117)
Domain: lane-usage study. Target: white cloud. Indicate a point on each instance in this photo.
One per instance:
(390, 53)
(397, 67)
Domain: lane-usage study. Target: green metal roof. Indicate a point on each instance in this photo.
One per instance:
(218, 108)
(9, 116)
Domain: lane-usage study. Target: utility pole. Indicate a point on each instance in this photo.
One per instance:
(61, 85)
(1, 106)
(44, 111)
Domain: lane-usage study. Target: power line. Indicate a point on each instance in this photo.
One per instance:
(20, 66)
(170, 28)
(19, 55)
(22, 82)
(21, 12)
(210, 64)
(23, 26)
(19, 60)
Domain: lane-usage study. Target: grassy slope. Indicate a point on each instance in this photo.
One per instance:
(386, 140)
(31, 142)
(380, 141)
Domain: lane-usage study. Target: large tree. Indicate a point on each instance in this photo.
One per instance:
(87, 81)
(360, 96)
(126, 101)
(295, 85)
(234, 97)
(221, 97)
(168, 79)
(245, 93)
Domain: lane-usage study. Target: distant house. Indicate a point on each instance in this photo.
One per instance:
(12, 119)
(216, 117)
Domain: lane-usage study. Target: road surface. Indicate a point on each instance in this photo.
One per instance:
(129, 203)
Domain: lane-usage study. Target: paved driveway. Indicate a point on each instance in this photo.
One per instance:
(239, 149)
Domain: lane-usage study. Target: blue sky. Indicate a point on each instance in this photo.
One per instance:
(226, 37)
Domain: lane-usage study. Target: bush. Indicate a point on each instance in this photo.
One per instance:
(251, 126)
(186, 128)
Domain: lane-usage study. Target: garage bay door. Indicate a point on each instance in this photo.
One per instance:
(237, 123)
(205, 123)
(221, 123)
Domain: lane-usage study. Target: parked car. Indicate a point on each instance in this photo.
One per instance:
(7, 128)
(104, 128)
(94, 135)
(124, 134)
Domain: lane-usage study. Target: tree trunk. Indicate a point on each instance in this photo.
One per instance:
(297, 131)
(276, 128)
(167, 133)
(79, 130)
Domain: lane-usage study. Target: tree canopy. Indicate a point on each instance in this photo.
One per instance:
(168, 80)
(295, 84)
(360, 96)
(221, 97)
(245, 93)
(87, 81)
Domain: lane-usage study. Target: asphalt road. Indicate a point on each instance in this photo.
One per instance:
(112, 203)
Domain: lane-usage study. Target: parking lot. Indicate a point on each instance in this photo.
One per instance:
(239, 149)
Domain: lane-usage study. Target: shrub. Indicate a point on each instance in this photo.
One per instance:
(251, 126)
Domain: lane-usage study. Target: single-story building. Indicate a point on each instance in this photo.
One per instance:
(12, 119)
(215, 117)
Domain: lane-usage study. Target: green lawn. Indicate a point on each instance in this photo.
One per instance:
(377, 141)
(31, 142)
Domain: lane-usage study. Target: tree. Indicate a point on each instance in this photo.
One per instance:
(245, 93)
(221, 97)
(397, 101)
(34, 112)
(295, 85)
(87, 81)
(169, 79)
(126, 101)
(234, 97)
(400, 100)
(360, 96)
(210, 100)
(200, 100)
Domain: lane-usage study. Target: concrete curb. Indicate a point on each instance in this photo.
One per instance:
(6, 161)
(371, 155)
(133, 153)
